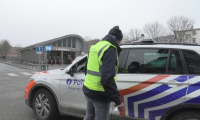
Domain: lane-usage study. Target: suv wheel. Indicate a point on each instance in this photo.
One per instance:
(190, 115)
(44, 105)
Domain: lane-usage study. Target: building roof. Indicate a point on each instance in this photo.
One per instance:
(53, 40)
(188, 30)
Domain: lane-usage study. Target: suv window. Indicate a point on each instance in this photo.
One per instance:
(79, 67)
(146, 61)
(192, 61)
(175, 63)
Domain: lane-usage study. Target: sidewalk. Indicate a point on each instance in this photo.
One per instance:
(34, 67)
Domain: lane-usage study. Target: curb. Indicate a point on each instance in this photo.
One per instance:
(17, 66)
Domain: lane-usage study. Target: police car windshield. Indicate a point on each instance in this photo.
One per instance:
(77, 58)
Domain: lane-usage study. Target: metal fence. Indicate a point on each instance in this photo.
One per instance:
(27, 63)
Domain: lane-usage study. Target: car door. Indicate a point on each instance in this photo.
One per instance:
(192, 60)
(72, 97)
(150, 81)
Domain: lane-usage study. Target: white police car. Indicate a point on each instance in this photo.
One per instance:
(157, 81)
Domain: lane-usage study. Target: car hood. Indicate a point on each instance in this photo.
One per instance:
(51, 72)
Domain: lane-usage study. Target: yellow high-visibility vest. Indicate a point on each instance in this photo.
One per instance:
(93, 77)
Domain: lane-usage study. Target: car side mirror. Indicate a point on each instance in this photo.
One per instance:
(71, 74)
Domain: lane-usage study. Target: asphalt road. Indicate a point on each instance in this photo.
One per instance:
(13, 81)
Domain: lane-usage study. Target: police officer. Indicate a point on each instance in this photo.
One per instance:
(100, 83)
(51, 62)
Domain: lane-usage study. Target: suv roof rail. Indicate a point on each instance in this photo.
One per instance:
(152, 43)
(145, 41)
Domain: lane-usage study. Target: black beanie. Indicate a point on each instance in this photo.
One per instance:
(115, 31)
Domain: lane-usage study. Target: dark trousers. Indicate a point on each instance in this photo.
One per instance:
(97, 109)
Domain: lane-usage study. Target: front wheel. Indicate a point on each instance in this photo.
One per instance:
(44, 105)
(190, 115)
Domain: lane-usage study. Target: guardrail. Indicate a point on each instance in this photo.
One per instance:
(26, 64)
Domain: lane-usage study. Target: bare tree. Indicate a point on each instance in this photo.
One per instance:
(126, 38)
(135, 34)
(132, 35)
(88, 38)
(90, 43)
(1, 48)
(178, 25)
(5, 47)
(154, 30)
(18, 47)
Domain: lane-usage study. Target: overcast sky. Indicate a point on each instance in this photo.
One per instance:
(26, 22)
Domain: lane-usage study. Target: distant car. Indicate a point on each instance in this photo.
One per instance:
(156, 81)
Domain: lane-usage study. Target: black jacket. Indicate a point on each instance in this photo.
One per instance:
(108, 72)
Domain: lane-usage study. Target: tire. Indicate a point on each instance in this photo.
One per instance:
(44, 101)
(189, 115)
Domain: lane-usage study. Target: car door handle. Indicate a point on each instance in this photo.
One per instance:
(173, 82)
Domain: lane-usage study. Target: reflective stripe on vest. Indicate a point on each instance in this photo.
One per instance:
(93, 77)
(94, 73)
(99, 53)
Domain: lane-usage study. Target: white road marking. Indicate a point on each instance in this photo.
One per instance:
(12, 74)
(25, 73)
